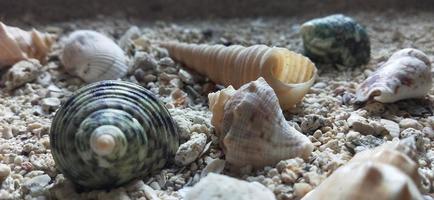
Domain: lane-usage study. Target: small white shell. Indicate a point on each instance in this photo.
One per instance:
(93, 57)
(407, 74)
(381, 173)
(252, 129)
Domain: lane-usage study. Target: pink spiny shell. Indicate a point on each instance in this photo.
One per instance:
(407, 74)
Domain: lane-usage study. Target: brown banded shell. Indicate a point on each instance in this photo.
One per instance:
(252, 129)
(17, 44)
(288, 73)
(111, 132)
(93, 57)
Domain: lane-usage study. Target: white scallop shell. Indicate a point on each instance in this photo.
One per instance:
(93, 57)
(407, 74)
(252, 129)
(382, 173)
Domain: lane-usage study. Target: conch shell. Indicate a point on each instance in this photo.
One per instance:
(17, 44)
(251, 127)
(93, 57)
(288, 73)
(407, 74)
(383, 173)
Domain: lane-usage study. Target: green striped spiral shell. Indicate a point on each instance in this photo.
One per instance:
(111, 132)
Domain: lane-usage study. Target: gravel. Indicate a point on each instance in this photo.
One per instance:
(337, 129)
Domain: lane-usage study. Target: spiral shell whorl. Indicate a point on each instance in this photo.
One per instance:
(111, 132)
(288, 73)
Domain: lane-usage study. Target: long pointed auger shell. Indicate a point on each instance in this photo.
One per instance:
(288, 73)
(407, 74)
(111, 132)
(17, 44)
(252, 129)
(383, 173)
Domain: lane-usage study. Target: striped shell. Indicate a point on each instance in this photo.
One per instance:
(407, 74)
(93, 57)
(252, 129)
(336, 39)
(288, 73)
(111, 132)
(17, 44)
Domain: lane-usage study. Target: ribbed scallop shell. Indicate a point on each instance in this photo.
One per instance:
(111, 132)
(93, 57)
(382, 173)
(336, 39)
(288, 73)
(17, 44)
(407, 74)
(252, 129)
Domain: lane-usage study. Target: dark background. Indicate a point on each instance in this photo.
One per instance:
(60, 10)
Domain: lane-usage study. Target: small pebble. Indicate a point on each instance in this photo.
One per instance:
(410, 123)
(301, 189)
(5, 171)
(50, 104)
(189, 151)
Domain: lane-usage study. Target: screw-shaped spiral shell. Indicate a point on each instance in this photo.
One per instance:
(111, 132)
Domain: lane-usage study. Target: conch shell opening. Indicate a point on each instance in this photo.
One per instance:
(290, 74)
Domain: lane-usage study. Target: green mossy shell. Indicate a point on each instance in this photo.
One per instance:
(149, 139)
(336, 39)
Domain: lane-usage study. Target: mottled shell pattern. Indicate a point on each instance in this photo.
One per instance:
(111, 132)
(93, 57)
(380, 173)
(288, 73)
(252, 129)
(336, 39)
(407, 74)
(17, 44)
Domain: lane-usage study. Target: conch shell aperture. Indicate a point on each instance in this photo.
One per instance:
(252, 129)
(288, 73)
(17, 44)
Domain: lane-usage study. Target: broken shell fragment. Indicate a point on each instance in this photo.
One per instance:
(22, 72)
(252, 129)
(407, 74)
(17, 44)
(381, 173)
(288, 73)
(336, 39)
(111, 132)
(93, 57)
(221, 187)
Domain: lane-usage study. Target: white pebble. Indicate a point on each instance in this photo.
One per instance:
(301, 189)
(5, 171)
(50, 104)
(190, 151)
